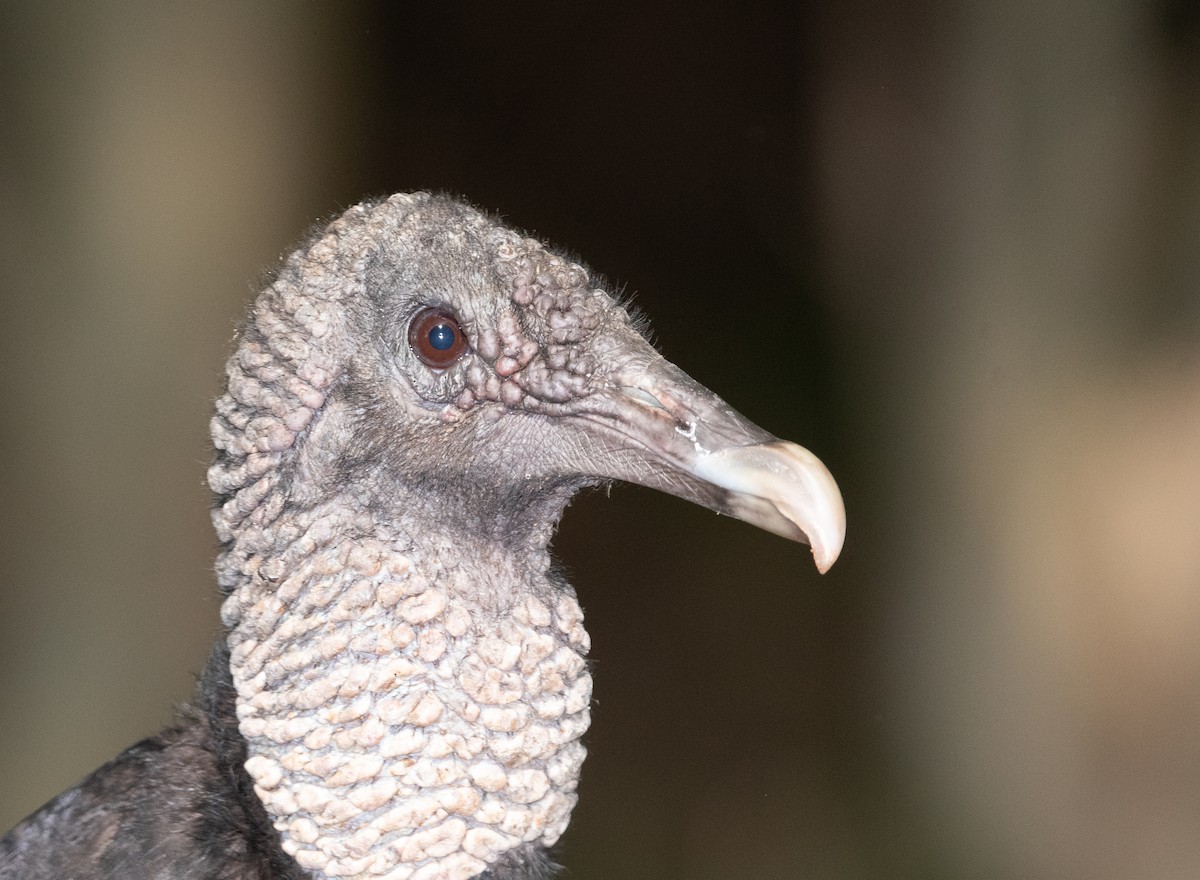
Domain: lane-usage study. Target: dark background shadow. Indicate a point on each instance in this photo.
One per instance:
(953, 250)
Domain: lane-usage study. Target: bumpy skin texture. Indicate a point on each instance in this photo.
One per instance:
(403, 689)
(411, 678)
(179, 806)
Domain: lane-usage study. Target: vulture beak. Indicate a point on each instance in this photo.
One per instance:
(675, 435)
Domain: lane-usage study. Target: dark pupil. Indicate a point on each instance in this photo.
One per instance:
(441, 337)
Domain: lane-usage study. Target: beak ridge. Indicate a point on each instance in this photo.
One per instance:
(666, 431)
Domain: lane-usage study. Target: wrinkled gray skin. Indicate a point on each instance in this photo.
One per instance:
(330, 416)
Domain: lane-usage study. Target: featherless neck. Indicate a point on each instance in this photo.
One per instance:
(411, 708)
(409, 671)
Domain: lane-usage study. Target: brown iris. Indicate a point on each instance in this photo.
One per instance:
(436, 338)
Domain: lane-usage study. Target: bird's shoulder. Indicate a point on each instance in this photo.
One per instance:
(166, 807)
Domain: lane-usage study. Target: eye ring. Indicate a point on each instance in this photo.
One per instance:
(436, 338)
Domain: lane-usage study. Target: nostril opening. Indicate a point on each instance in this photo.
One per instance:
(644, 396)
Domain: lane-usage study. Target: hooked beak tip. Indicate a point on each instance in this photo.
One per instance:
(784, 488)
(825, 557)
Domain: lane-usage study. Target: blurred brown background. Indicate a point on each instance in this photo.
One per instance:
(952, 248)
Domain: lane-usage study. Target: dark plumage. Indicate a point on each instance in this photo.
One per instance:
(401, 686)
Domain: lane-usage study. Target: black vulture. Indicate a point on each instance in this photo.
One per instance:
(401, 686)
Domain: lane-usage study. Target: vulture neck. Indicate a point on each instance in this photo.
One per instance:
(412, 690)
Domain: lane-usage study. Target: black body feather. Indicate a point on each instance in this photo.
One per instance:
(178, 805)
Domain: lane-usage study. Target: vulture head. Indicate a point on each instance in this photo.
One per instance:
(411, 405)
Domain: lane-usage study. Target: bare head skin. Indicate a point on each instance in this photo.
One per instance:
(411, 405)
(414, 402)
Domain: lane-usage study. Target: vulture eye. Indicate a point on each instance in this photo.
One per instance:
(436, 338)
